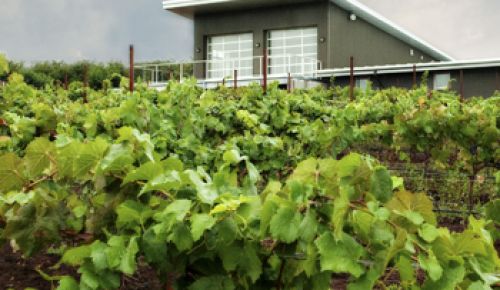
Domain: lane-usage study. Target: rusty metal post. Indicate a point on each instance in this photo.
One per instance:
(351, 78)
(131, 69)
(497, 81)
(66, 81)
(289, 83)
(414, 76)
(462, 85)
(264, 70)
(235, 79)
(224, 82)
(85, 81)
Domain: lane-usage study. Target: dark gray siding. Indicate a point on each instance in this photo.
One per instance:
(366, 43)
(344, 38)
(477, 82)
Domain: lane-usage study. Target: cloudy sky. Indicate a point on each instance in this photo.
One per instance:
(33, 30)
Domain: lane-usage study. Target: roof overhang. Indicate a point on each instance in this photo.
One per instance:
(190, 7)
(408, 68)
(390, 27)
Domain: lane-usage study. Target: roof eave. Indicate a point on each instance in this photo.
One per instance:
(390, 27)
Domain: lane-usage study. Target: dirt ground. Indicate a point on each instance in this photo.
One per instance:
(18, 273)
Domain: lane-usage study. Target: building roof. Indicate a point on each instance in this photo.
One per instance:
(408, 68)
(189, 7)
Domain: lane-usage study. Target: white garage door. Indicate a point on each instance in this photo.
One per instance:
(292, 50)
(229, 52)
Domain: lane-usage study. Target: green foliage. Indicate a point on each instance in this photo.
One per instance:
(236, 190)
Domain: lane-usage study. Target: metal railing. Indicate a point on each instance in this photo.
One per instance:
(217, 69)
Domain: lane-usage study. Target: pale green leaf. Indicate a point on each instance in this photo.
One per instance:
(200, 223)
(68, 283)
(285, 224)
(340, 256)
(145, 172)
(76, 256)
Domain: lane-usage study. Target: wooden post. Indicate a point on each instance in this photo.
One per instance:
(264, 70)
(224, 82)
(351, 79)
(66, 81)
(289, 83)
(414, 76)
(235, 79)
(131, 69)
(462, 85)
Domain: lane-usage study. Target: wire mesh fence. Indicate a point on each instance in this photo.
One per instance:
(450, 190)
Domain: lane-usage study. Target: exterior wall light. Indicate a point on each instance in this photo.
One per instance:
(257, 45)
(322, 39)
(198, 50)
(353, 17)
(412, 53)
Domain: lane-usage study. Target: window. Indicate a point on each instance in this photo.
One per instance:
(292, 50)
(441, 81)
(229, 52)
(362, 83)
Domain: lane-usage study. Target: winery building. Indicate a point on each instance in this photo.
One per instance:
(315, 41)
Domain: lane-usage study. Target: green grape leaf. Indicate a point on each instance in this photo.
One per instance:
(230, 256)
(90, 154)
(309, 226)
(404, 201)
(165, 182)
(128, 263)
(114, 251)
(451, 276)
(284, 225)
(181, 237)
(11, 173)
(98, 255)
(431, 265)
(200, 223)
(216, 282)
(67, 283)
(178, 209)
(269, 208)
(39, 154)
(306, 171)
(340, 256)
(340, 209)
(206, 191)
(118, 159)
(76, 256)
(131, 213)
(145, 172)
(66, 158)
(428, 232)
(232, 156)
(381, 184)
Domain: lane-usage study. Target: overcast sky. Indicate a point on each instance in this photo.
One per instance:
(33, 30)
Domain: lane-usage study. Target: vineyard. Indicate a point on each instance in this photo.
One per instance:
(236, 189)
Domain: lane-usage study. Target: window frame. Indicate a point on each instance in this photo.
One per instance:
(441, 86)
